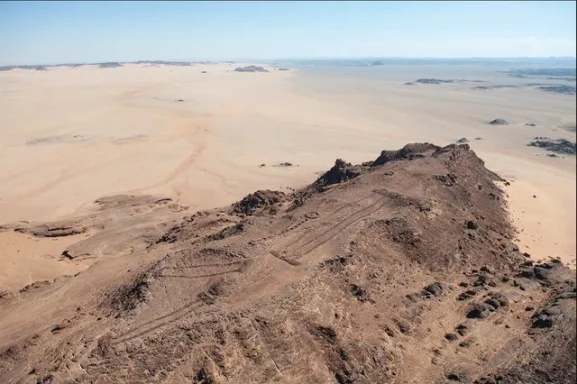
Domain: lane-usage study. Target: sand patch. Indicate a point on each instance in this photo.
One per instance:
(26, 259)
(546, 225)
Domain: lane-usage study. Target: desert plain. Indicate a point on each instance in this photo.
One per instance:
(318, 222)
(206, 135)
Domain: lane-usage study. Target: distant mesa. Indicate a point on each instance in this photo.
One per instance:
(283, 69)
(433, 81)
(554, 88)
(498, 122)
(531, 124)
(561, 146)
(560, 89)
(449, 81)
(552, 73)
(491, 87)
(34, 67)
(409, 83)
(109, 65)
(250, 68)
(162, 62)
(150, 63)
(571, 79)
(537, 84)
(377, 63)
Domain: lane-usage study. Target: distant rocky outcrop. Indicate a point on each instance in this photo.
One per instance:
(552, 73)
(339, 173)
(560, 89)
(162, 62)
(433, 81)
(285, 164)
(264, 201)
(34, 67)
(408, 152)
(110, 65)
(561, 146)
(250, 68)
(450, 81)
(492, 87)
(499, 122)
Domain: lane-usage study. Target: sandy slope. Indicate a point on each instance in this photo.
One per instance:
(71, 135)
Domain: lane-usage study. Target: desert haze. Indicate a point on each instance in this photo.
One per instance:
(197, 211)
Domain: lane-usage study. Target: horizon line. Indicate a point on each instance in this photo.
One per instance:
(245, 60)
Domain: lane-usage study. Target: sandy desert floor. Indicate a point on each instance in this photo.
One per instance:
(71, 135)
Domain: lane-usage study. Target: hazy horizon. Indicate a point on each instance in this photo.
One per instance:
(301, 60)
(49, 33)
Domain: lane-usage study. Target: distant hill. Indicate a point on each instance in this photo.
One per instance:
(110, 65)
(250, 68)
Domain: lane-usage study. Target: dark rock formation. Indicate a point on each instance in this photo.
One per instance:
(499, 122)
(434, 81)
(339, 173)
(561, 146)
(250, 68)
(259, 201)
(109, 65)
(560, 89)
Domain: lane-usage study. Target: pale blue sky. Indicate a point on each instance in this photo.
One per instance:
(55, 32)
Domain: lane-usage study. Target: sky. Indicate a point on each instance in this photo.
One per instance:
(43, 32)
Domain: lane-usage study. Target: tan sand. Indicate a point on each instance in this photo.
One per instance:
(25, 260)
(71, 135)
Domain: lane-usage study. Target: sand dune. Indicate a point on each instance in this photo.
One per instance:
(71, 135)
